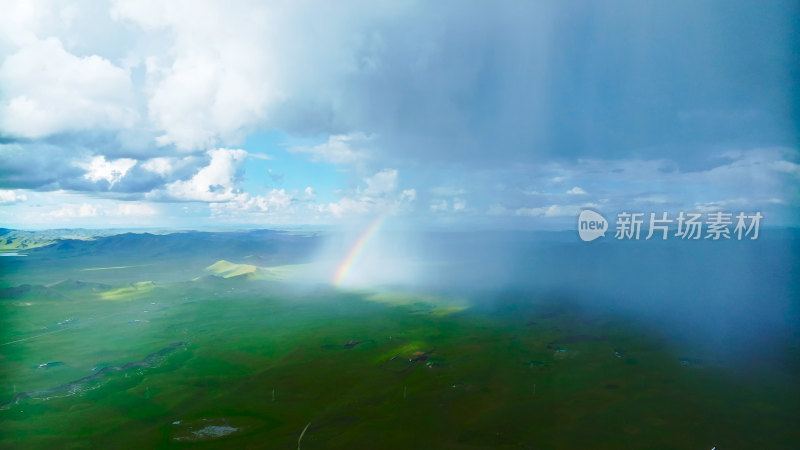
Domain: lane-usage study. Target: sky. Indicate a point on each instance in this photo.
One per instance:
(462, 114)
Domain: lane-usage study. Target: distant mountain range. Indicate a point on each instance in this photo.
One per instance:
(262, 245)
(15, 240)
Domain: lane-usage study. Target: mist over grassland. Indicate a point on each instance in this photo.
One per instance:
(728, 296)
(471, 338)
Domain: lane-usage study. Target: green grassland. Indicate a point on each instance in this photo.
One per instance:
(18, 240)
(257, 360)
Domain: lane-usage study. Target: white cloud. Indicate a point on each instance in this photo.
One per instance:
(215, 182)
(48, 90)
(658, 199)
(74, 211)
(724, 205)
(160, 165)
(348, 206)
(216, 78)
(112, 171)
(408, 195)
(381, 183)
(439, 205)
(340, 149)
(379, 195)
(126, 209)
(786, 167)
(11, 196)
(21, 20)
(88, 210)
(171, 167)
(576, 191)
(274, 201)
(550, 211)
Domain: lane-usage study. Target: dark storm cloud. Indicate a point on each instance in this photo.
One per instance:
(496, 100)
(34, 166)
(529, 81)
(59, 163)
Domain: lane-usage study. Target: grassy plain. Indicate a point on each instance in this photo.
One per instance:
(242, 358)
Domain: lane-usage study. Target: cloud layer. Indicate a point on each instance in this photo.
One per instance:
(447, 112)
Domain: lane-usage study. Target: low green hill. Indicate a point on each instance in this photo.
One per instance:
(227, 269)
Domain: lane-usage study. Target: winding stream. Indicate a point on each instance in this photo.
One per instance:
(148, 361)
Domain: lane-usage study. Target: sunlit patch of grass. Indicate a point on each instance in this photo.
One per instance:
(113, 268)
(129, 292)
(402, 351)
(427, 304)
(227, 269)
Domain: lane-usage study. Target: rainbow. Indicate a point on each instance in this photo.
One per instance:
(358, 247)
